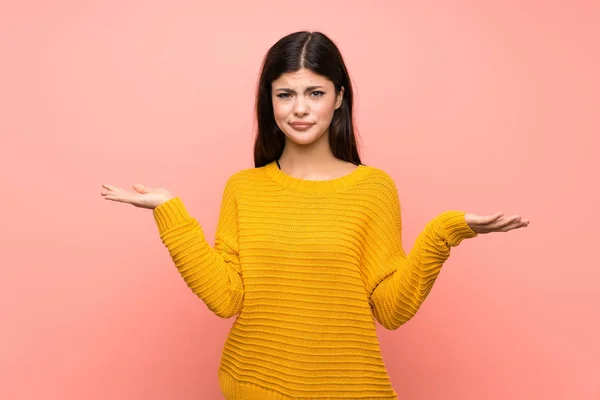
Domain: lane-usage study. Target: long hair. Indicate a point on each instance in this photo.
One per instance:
(316, 52)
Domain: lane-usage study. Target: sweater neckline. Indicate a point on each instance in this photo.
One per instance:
(314, 186)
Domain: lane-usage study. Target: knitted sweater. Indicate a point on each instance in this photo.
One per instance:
(306, 267)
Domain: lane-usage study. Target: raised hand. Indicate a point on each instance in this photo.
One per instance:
(142, 197)
(494, 223)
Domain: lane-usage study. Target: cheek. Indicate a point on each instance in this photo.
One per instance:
(324, 111)
(280, 111)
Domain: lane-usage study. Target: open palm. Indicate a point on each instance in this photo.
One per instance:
(142, 196)
(494, 223)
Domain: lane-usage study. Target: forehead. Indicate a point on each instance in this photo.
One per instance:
(301, 78)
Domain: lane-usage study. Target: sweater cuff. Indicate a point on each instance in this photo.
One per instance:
(170, 213)
(455, 227)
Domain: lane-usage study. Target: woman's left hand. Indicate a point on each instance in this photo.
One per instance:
(494, 223)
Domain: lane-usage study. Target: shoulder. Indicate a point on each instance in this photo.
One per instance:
(380, 180)
(379, 196)
(243, 179)
(239, 176)
(379, 192)
(378, 173)
(247, 174)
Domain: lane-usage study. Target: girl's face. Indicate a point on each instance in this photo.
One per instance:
(305, 97)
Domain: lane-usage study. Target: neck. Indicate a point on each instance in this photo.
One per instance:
(316, 156)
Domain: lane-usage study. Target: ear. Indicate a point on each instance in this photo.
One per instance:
(340, 98)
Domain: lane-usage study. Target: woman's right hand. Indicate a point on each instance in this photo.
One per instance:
(142, 197)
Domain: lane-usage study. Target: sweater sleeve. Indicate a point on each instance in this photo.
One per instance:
(399, 283)
(212, 273)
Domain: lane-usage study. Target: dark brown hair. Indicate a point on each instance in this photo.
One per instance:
(316, 52)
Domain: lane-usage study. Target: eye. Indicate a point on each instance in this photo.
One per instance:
(283, 95)
(319, 93)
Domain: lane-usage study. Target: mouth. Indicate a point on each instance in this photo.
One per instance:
(301, 125)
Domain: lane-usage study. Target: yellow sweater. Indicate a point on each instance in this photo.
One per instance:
(306, 267)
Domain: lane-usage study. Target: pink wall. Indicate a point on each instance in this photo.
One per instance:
(480, 106)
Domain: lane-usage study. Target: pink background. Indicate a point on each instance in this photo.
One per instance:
(479, 106)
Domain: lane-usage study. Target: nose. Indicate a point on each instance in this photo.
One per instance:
(300, 107)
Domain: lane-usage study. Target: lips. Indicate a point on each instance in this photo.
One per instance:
(301, 124)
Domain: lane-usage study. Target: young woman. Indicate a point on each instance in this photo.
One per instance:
(308, 249)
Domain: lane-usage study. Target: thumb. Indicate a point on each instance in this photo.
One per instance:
(140, 188)
(493, 217)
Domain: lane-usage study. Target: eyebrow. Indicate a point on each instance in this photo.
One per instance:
(308, 89)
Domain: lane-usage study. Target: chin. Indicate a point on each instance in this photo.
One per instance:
(303, 138)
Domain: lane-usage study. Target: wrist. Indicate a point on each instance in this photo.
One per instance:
(455, 227)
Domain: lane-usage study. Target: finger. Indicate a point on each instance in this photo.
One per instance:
(117, 199)
(523, 224)
(499, 224)
(110, 187)
(505, 221)
(515, 224)
(138, 187)
(480, 221)
(492, 218)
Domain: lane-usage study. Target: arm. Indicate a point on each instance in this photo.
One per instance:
(400, 282)
(213, 274)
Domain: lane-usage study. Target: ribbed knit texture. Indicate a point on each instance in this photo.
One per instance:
(307, 267)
